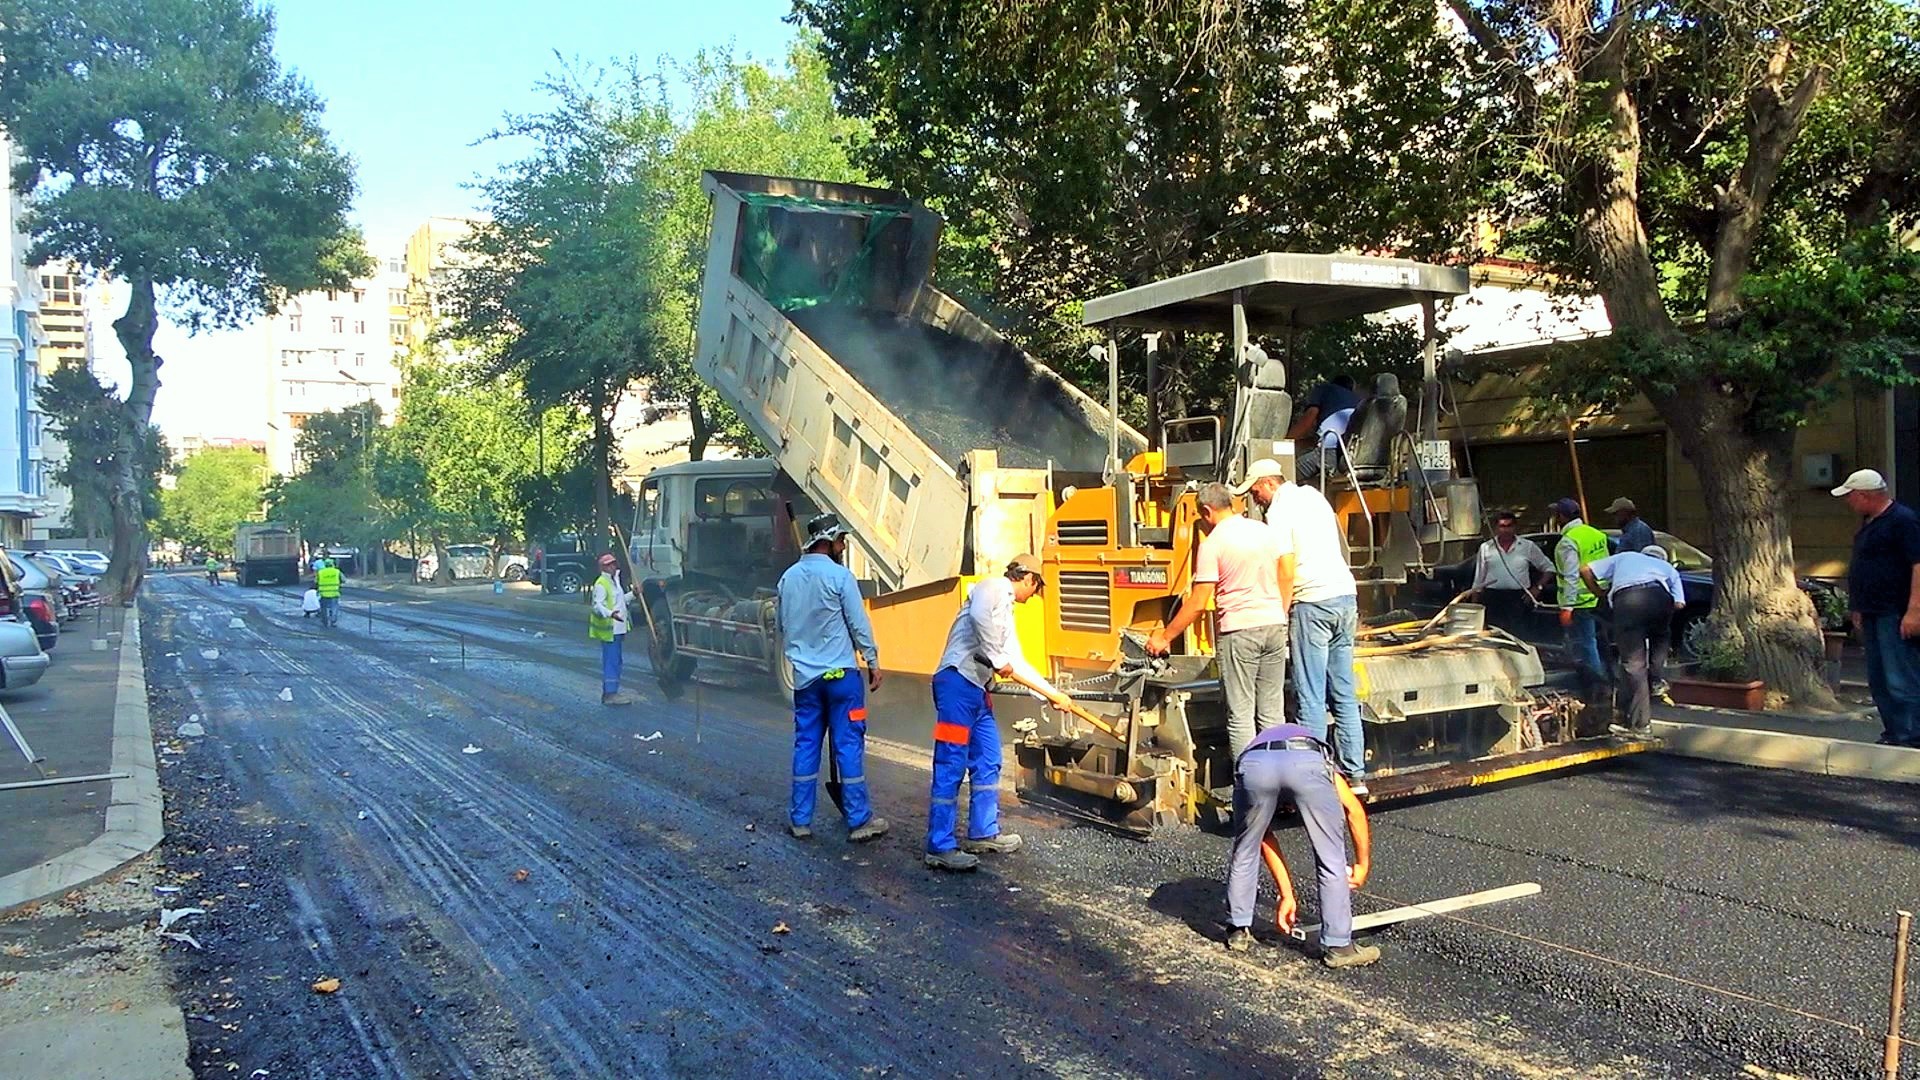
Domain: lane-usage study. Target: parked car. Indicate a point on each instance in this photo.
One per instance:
(1542, 626)
(92, 561)
(22, 660)
(344, 556)
(510, 567)
(79, 588)
(562, 565)
(24, 596)
(464, 562)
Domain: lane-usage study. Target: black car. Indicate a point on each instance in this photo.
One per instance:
(1542, 626)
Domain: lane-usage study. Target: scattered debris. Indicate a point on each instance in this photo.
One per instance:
(782, 928)
(1013, 888)
(469, 749)
(363, 815)
(433, 659)
(209, 654)
(649, 738)
(166, 890)
(539, 633)
(326, 986)
(15, 950)
(521, 875)
(749, 826)
(192, 730)
(236, 623)
(169, 916)
(286, 693)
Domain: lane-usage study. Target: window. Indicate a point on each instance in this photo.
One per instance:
(397, 265)
(732, 498)
(337, 324)
(359, 359)
(397, 297)
(60, 288)
(359, 326)
(333, 294)
(394, 393)
(359, 296)
(397, 331)
(293, 323)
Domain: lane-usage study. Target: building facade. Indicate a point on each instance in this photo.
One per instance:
(23, 499)
(66, 340)
(332, 349)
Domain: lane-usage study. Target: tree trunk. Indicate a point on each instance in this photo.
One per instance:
(702, 431)
(1757, 598)
(135, 329)
(442, 565)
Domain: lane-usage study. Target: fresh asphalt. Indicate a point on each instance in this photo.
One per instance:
(1694, 920)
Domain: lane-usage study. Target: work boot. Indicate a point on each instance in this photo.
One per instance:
(1357, 785)
(992, 845)
(1630, 732)
(1350, 955)
(955, 860)
(1663, 693)
(1240, 940)
(874, 829)
(616, 699)
(799, 832)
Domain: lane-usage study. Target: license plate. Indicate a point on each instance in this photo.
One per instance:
(1435, 456)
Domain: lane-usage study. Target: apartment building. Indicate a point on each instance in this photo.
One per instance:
(331, 349)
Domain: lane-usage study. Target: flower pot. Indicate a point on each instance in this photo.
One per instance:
(1719, 695)
(1836, 644)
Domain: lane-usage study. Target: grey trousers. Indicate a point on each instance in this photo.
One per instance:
(1253, 670)
(1262, 781)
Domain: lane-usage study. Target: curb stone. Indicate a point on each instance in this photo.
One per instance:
(1800, 753)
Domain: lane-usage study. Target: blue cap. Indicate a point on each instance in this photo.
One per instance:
(1566, 509)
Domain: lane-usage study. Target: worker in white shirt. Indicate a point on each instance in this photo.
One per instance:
(1644, 591)
(1509, 571)
(966, 745)
(1323, 612)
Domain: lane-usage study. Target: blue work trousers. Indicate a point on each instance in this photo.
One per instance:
(1893, 678)
(330, 611)
(966, 746)
(1262, 781)
(1583, 646)
(611, 660)
(1321, 663)
(835, 702)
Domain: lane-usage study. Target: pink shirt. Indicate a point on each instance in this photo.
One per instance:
(1241, 558)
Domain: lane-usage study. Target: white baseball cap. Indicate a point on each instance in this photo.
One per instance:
(1657, 552)
(1862, 480)
(1259, 471)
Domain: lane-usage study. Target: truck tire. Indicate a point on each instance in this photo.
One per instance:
(672, 667)
(567, 582)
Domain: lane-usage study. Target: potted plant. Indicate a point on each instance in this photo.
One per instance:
(1831, 605)
(1716, 681)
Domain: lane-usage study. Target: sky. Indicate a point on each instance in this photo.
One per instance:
(410, 86)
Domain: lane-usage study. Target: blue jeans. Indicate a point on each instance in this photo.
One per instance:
(1583, 646)
(1893, 677)
(840, 705)
(966, 745)
(611, 659)
(1322, 635)
(330, 611)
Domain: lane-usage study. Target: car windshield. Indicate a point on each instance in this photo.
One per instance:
(1684, 555)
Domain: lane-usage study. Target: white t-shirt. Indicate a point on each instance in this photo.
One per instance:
(1241, 558)
(1320, 570)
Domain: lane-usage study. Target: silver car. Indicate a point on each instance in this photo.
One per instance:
(22, 660)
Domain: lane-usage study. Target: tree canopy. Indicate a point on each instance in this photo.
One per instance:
(162, 143)
(216, 489)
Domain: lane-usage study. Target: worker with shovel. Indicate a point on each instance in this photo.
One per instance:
(966, 743)
(823, 621)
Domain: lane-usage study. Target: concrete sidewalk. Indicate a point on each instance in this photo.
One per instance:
(1840, 744)
(86, 986)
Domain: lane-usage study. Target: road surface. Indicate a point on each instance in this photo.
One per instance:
(1694, 920)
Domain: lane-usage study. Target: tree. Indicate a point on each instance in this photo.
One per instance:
(161, 143)
(217, 489)
(562, 282)
(332, 498)
(88, 419)
(1728, 178)
(743, 116)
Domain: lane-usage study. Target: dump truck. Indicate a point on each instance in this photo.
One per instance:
(266, 551)
(946, 451)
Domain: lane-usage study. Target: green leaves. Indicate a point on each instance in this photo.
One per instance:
(216, 490)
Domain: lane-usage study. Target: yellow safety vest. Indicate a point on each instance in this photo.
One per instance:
(327, 581)
(600, 627)
(1591, 546)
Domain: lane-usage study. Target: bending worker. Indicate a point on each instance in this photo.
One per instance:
(824, 621)
(1644, 591)
(326, 581)
(966, 744)
(1286, 764)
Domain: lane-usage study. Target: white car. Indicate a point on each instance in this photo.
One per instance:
(94, 562)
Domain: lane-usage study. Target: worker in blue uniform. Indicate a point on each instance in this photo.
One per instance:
(983, 643)
(1286, 764)
(823, 621)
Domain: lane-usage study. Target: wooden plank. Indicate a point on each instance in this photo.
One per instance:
(1431, 908)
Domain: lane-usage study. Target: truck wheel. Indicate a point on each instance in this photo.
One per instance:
(670, 666)
(514, 572)
(567, 582)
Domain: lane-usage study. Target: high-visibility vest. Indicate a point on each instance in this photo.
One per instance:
(212, 564)
(1591, 546)
(600, 627)
(327, 581)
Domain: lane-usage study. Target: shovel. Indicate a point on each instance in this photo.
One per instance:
(834, 788)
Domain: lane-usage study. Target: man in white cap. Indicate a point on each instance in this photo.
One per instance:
(824, 623)
(1883, 591)
(1635, 533)
(1323, 613)
(1644, 591)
